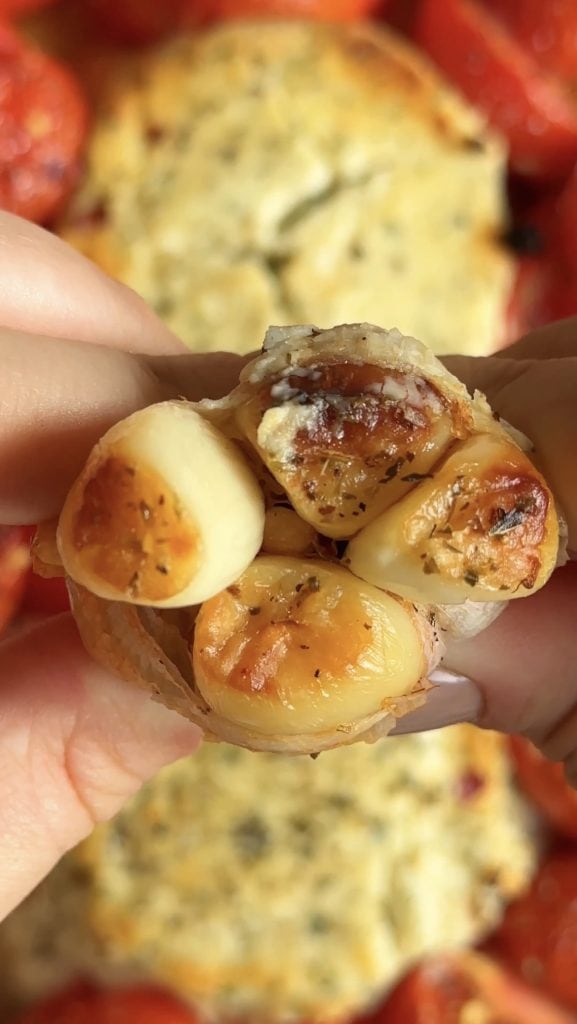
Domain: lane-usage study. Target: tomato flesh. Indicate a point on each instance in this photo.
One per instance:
(538, 936)
(529, 108)
(85, 1004)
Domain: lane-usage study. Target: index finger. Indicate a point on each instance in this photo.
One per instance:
(59, 397)
(47, 288)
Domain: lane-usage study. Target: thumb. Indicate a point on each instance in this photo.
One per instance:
(525, 664)
(517, 676)
(75, 743)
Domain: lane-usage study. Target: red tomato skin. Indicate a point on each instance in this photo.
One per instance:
(545, 28)
(43, 128)
(85, 1004)
(322, 10)
(529, 304)
(45, 596)
(14, 567)
(141, 22)
(17, 8)
(544, 783)
(454, 988)
(538, 937)
(479, 57)
(42, 596)
(555, 215)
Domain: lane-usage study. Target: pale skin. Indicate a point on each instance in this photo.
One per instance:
(79, 352)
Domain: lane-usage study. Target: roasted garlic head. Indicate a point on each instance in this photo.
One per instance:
(281, 565)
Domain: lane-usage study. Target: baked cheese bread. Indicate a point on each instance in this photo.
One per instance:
(272, 888)
(264, 173)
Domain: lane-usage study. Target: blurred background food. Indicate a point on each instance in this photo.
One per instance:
(264, 887)
(316, 168)
(254, 163)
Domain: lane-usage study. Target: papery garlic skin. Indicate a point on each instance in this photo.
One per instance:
(281, 565)
(303, 647)
(482, 527)
(165, 513)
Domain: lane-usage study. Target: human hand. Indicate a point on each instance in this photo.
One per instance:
(74, 742)
(520, 674)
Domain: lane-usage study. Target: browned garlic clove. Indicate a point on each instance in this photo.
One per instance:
(165, 513)
(482, 527)
(347, 425)
(303, 647)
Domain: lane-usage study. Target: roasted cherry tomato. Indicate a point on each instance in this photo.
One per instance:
(43, 127)
(15, 8)
(14, 565)
(87, 1005)
(555, 216)
(563, 225)
(538, 936)
(529, 302)
(328, 10)
(43, 596)
(544, 782)
(144, 21)
(454, 989)
(545, 28)
(483, 60)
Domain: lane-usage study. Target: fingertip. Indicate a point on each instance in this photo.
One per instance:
(200, 375)
(50, 289)
(524, 663)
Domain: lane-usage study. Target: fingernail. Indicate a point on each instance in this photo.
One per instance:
(453, 699)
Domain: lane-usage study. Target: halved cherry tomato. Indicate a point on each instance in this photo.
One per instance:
(87, 1005)
(544, 782)
(538, 936)
(545, 28)
(461, 987)
(43, 127)
(529, 107)
(14, 567)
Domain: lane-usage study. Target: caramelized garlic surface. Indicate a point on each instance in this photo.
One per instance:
(165, 513)
(482, 526)
(320, 528)
(299, 646)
